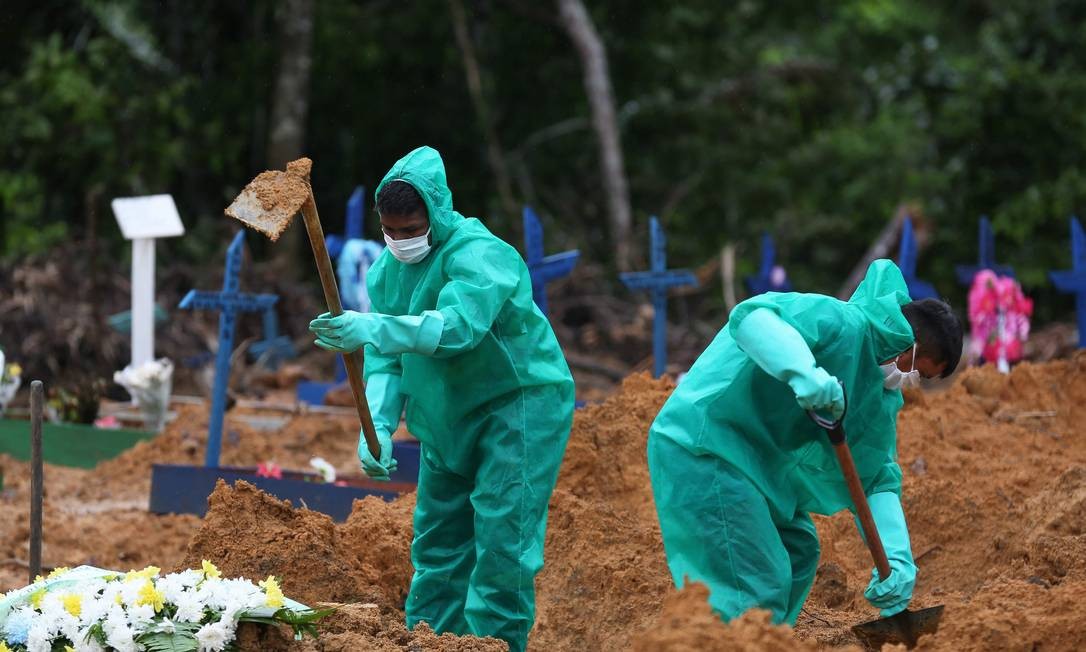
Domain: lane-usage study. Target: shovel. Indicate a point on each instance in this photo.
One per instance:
(906, 626)
(268, 204)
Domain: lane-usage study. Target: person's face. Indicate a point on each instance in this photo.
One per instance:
(402, 227)
(927, 367)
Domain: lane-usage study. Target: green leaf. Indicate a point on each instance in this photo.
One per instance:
(182, 639)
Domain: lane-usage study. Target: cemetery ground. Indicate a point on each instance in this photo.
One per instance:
(994, 488)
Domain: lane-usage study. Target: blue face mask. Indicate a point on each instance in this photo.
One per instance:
(894, 378)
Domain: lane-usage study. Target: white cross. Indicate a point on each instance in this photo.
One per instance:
(142, 219)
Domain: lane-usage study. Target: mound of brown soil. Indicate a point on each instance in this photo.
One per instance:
(248, 533)
(687, 624)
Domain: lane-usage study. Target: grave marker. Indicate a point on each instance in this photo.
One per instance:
(1073, 281)
(985, 257)
(274, 348)
(906, 260)
(657, 281)
(229, 302)
(543, 269)
(766, 280)
(142, 220)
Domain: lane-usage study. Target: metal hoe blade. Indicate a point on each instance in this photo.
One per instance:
(903, 628)
(272, 199)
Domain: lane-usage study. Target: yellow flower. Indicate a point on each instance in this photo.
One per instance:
(14, 370)
(150, 595)
(73, 603)
(272, 591)
(57, 572)
(38, 578)
(4, 647)
(118, 599)
(209, 569)
(36, 597)
(67, 648)
(145, 574)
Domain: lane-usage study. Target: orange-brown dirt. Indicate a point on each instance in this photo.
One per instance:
(994, 489)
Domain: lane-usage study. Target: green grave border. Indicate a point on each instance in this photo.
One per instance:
(68, 444)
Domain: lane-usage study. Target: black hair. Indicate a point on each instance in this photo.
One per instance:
(400, 198)
(938, 331)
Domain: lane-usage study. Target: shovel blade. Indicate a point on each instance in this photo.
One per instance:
(903, 628)
(270, 202)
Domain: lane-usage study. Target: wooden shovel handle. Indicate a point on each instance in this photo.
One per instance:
(355, 362)
(859, 499)
(835, 430)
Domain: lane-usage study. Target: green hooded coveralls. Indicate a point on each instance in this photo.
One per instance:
(491, 401)
(736, 465)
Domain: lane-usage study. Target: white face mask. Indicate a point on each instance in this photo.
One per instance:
(894, 378)
(410, 250)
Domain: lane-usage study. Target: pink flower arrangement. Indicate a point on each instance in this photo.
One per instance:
(269, 470)
(999, 318)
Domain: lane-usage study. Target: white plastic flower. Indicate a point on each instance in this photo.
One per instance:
(213, 637)
(39, 639)
(87, 644)
(121, 639)
(140, 616)
(327, 471)
(95, 608)
(189, 608)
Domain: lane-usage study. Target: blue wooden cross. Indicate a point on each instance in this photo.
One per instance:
(764, 281)
(543, 269)
(229, 302)
(274, 348)
(657, 281)
(906, 261)
(352, 225)
(986, 259)
(1073, 281)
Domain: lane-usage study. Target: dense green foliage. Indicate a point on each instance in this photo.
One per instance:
(812, 120)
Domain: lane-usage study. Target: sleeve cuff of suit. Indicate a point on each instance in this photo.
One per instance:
(433, 324)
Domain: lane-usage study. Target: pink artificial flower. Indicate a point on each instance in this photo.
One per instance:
(998, 317)
(107, 423)
(269, 470)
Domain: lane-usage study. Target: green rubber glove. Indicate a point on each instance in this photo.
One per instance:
(386, 406)
(894, 593)
(377, 469)
(389, 334)
(781, 352)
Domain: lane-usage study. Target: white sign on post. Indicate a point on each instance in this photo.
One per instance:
(142, 219)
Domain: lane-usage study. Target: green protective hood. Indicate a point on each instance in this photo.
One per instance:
(880, 297)
(425, 171)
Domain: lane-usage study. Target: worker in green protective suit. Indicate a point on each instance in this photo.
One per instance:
(737, 465)
(455, 335)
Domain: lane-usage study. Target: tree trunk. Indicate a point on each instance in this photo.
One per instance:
(597, 83)
(495, 155)
(290, 105)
